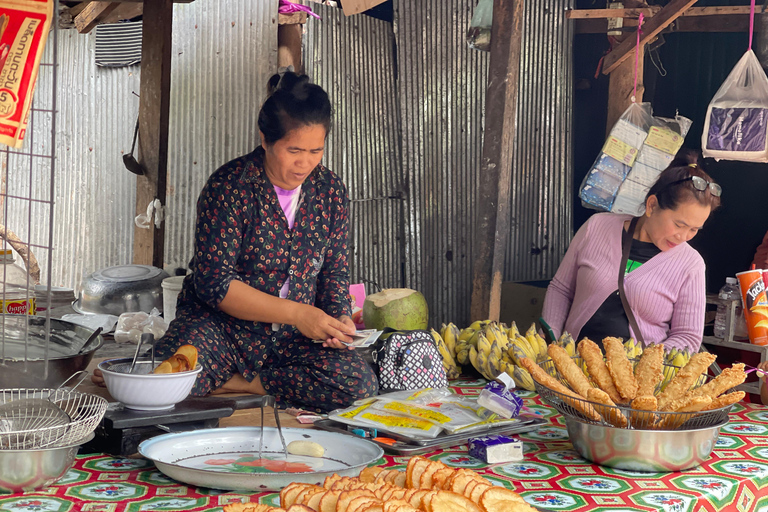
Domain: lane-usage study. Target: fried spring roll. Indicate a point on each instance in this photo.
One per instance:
(688, 403)
(572, 374)
(642, 414)
(724, 400)
(728, 379)
(687, 376)
(620, 368)
(593, 357)
(611, 413)
(650, 370)
(552, 383)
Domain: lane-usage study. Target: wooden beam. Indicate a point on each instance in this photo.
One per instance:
(725, 23)
(493, 215)
(721, 10)
(620, 88)
(661, 20)
(92, 15)
(292, 19)
(154, 107)
(124, 11)
(77, 9)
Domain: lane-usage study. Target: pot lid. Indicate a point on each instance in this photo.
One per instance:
(127, 273)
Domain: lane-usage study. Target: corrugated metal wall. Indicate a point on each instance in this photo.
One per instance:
(542, 171)
(442, 96)
(352, 59)
(223, 55)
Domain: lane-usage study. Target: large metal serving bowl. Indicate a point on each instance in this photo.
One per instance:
(642, 450)
(121, 289)
(24, 362)
(30, 470)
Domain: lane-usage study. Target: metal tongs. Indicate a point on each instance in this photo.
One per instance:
(270, 401)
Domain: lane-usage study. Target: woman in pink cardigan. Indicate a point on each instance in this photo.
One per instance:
(664, 276)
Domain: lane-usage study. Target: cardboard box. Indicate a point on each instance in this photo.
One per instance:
(521, 303)
(351, 7)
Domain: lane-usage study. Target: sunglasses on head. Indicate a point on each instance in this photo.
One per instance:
(701, 185)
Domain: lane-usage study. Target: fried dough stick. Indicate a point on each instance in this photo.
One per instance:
(650, 370)
(552, 383)
(642, 414)
(724, 400)
(593, 356)
(688, 403)
(685, 378)
(728, 379)
(611, 414)
(572, 374)
(620, 368)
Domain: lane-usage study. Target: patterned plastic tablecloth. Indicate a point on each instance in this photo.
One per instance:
(552, 476)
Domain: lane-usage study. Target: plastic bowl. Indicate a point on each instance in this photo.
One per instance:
(146, 391)
(642, 450)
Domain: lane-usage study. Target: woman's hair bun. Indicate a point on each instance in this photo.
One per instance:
(293, 101)
(289, 83)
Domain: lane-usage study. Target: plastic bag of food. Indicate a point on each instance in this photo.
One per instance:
(479, 32)
(736, 125)
(130, 326)
(24, 27)
(370, 414)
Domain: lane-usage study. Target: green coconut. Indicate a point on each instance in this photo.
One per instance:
(401, 309)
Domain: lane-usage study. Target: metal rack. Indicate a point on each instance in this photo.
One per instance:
(27, 192)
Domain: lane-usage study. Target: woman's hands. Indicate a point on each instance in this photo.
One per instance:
(313, 323)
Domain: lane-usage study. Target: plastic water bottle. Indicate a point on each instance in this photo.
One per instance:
(729, 291)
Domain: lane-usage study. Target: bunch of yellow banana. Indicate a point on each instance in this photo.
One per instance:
(674, 357)
(488, 351)
(468, 338)
(449, 364)
(633, 348)
(567, 342)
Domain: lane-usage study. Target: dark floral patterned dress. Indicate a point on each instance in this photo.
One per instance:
(242, 234)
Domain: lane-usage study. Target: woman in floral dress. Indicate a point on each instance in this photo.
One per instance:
(270, 272)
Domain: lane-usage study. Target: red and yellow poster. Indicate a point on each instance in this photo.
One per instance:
(24, 26)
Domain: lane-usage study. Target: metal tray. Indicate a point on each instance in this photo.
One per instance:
(405, 445)
(227, 458)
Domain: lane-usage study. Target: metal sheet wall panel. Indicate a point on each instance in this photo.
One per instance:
(94, 194)
(441, 88)
(441, 85)
(542, 170)
(352, 59)
(223, 56)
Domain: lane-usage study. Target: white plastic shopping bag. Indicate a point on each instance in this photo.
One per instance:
(736, 126)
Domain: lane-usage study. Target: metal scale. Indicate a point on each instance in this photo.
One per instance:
(122, 429)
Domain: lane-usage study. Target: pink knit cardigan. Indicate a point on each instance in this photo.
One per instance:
(667, 293)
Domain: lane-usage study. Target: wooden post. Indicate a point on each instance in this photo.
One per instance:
(154, 103)
(289, 32)
(620, 88)
(493, 213)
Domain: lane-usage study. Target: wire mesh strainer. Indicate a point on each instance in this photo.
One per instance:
(83, 409)
(635, 419)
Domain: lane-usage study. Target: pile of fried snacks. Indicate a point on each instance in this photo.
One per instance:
(611, 380)
(426, 485)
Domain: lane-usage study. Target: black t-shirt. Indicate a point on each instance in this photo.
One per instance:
(610, 318)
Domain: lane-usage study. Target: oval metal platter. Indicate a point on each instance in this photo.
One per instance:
(228, 458)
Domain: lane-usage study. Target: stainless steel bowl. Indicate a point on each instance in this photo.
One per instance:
(23, 350)
(121, 289)
(30, 470)
(642, 450)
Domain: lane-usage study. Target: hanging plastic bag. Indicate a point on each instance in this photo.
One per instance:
(479, 33)
(736, 126)
(638, 148)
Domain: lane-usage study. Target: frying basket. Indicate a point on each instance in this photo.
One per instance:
(84, 409)
(637, 419)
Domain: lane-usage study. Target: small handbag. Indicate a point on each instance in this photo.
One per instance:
(408, 360)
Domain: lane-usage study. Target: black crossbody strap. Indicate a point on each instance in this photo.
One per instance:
(626, 244)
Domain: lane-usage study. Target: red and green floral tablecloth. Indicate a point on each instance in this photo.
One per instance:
(552, 476)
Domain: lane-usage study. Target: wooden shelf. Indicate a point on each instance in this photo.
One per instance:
(749, 387)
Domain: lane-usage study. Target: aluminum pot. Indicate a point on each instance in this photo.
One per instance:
(642, 450)
(24, 352)
(121, 289)
(30, 470)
